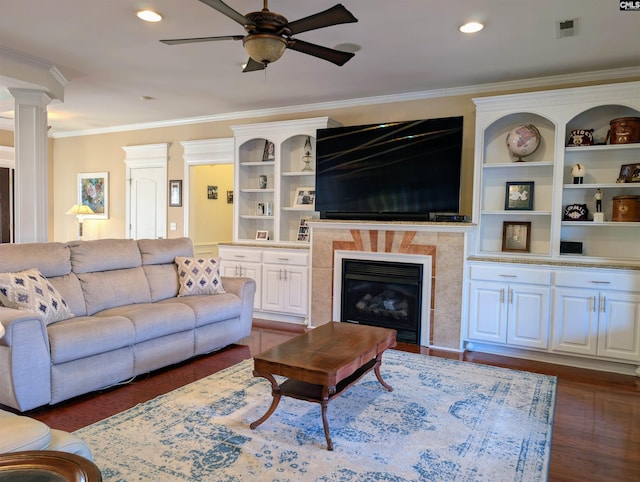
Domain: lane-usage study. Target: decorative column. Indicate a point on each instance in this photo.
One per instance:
(32, 167)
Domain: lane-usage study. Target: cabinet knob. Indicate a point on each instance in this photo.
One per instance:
(600, 282)
(508, 276)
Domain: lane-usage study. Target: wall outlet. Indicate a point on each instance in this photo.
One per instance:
(173, 227)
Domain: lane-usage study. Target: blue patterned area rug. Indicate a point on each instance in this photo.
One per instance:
(444, 421)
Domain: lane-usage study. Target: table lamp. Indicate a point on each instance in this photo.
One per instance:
(80, 210)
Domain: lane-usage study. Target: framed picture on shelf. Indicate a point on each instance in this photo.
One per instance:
(262, 235)
(629, 173)
(269, 153)
(519, 196)
(93, 191)
(305, 197)
(303, 229)
(516, 236)
(175, 193)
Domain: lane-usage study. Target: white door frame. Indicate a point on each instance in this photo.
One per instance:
(149, 155)
(202, 153)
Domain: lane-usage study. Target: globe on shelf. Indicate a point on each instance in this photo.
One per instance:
(522, 141)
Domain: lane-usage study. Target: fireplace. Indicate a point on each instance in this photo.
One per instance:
(384, 289)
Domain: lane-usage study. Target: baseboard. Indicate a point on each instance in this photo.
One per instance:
(575, 361)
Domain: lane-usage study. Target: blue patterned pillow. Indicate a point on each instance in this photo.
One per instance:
(199, 276)
(30, 291)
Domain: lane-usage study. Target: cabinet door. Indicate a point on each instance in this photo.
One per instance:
(487, 311)
(575, 321)
(245, 270)
(619, 325)
(295, 292)
(272, 287)
(528, 316)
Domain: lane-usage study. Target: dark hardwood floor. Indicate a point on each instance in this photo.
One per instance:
(596, 433)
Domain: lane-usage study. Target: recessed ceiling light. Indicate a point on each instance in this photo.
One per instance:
(149, 16)
(471, 27)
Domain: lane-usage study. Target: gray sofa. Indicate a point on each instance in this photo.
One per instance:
(127, 317)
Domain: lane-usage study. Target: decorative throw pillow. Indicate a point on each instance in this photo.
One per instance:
(199, 276)
(30, 291)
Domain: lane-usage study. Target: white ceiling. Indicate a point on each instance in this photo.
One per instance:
(111, 59)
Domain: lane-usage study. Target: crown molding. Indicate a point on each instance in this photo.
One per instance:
(532, 83)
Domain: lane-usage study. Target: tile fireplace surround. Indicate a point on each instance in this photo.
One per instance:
(444, 242)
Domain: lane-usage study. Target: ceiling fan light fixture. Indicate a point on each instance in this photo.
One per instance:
(471, 27)
(149, 16)
(264, 47)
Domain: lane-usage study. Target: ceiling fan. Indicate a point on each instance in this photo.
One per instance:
(269, 34)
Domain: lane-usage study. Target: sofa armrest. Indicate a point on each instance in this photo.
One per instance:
(245, 289)
(25, 361)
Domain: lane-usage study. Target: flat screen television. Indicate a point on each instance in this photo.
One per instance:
(406, 170)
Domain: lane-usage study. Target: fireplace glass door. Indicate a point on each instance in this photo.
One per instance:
(382, 293)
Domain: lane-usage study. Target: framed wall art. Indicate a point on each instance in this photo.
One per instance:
(93, 191)
(305, 197)
(303, 228)
(212, 192)
(519, 196)
(269, 151)
(629, 173)
(516, 236)
(175, 193)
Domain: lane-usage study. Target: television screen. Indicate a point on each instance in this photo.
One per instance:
(399, 170)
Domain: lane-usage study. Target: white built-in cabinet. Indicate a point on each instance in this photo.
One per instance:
(281, 275)
(509, 306)
(587, 304)
(597, 313)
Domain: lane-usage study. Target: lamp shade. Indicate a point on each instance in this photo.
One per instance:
(264, 47)
(80, 209)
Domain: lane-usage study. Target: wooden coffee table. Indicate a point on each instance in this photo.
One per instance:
(320, 364)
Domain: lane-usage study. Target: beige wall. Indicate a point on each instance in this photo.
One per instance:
(72, 155)
(211, 220)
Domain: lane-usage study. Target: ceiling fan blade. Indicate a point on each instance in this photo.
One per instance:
(252, 66)
(225, 9)
(176, 41)
(335, 15)
(336, 56)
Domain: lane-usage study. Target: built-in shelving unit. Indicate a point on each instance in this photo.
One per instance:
(549, 304)
(273, 208)
(556, 114)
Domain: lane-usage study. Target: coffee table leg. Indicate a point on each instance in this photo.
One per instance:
(324, 403)
(275, 391)
(379, 377)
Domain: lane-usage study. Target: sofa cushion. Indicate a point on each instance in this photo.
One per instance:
(30, 291)
(18, 433)
(164, 251)
(85, 336)
(163, 280)
(211, 309)
(104, 255)
(52, 259)
(154, 320)
(108, 289)
(69, 288)
(199, 276)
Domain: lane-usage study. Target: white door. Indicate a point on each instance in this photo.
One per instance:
(619, 325)
(148, 203)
